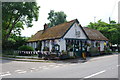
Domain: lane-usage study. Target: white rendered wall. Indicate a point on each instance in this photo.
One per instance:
(101, 45)
(35, 44)
(62, 44)
(50, 45)
(42, 46)
(72, 33)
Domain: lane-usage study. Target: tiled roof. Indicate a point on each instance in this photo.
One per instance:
(94, 34)
(53, 32)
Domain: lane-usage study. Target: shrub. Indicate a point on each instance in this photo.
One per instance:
(94, 51)
(46, 49)
(9, 52)
(25, 48)
(107, 50)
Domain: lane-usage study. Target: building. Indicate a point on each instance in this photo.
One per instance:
(69, 36)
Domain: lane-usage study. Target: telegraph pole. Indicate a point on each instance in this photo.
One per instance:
(109, 20)
(94, 19)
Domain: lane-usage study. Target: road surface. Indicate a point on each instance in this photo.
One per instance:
(100, 67)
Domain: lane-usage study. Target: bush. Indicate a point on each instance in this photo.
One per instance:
(94, 51)
(46, 49)
(25, 48)
(9, 52)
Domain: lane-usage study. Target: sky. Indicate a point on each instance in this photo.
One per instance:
(85, 11)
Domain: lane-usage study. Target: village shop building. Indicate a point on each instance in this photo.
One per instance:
(69, 36)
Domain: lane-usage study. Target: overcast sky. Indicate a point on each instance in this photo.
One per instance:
(83, 10)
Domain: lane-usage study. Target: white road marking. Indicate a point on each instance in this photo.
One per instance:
(60, 64)
(56, 66)
(5, 74)
(18, 70)
(33, 68)
(51, 65)
(95, 74)
(118, 65)
(22, 72)
(40, 67)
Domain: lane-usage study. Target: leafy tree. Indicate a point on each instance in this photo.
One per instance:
(15, 15)
(14, 42)
(56, 18)
(111, 31)
(25, 48)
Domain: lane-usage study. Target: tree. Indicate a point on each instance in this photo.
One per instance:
(56, 18)
(17, 14)
(14, 16)
(14, 42)
(111, 31)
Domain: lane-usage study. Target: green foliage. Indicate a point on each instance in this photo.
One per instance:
(107, 50)
(25, 48)
(9, 52)
(39, 45)
(15, 15)
(56, 18)
(53, 49)
(46, 49)
(111, 31)
(14, 42)
(94, 50)
(64, 52)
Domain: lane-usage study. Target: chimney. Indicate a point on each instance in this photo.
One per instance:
(45, 26)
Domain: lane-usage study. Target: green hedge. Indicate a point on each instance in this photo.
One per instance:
(25, 48)
(94, 51)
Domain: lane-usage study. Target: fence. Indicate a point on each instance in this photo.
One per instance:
(44, 54)
(27, 53)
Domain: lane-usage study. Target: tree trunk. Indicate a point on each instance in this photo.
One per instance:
(13, 25)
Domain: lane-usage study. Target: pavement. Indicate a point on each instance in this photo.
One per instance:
(23, 58)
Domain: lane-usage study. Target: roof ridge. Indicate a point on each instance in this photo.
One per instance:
(64, 23)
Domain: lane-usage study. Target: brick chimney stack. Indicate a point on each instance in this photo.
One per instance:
(45, 26)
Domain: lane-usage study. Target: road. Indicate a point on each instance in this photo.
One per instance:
(100, 67)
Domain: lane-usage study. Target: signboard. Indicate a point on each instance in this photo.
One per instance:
(77, 33)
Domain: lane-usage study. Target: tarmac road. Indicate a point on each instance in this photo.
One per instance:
(100, 67)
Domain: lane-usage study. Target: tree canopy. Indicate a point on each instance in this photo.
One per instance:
(17, 14)
(56, 18)
(111, 31)
(14, 16)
